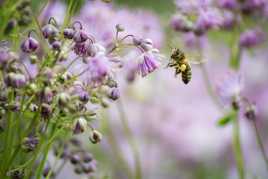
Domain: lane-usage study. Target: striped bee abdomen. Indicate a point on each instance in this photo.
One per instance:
(186, 75)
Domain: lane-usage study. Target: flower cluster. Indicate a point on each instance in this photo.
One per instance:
(57, 83)
(199, 17)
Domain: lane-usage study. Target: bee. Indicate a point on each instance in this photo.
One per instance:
(181, 65)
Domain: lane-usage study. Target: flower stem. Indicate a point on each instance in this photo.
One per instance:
(237, 148)
(260, 143)
(132, 143)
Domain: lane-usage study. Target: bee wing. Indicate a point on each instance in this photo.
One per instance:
(197, 62)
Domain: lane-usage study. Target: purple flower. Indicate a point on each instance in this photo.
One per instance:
(149, 62)
(29, 45)
(180, 23)
(207, 19)
(98, 68)
(80, 36)
(228, 20)
(229, 88)
(228, 4)
(251, 38)
(86, 49)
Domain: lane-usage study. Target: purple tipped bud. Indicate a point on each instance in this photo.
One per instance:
(80, 36)
(87, 168)
(63, 99)
(251, 112)
(87, 157)
(4, 56)
(95, 136)
(75, 158)
(114, 94)
(68, 33)
(29, 45)
(47, 95)
(56, 45)
(46, 110)
(49, 31)
(15, 80)
(29, 144)
(80, 125)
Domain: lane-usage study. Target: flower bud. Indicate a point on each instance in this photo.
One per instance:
(80, 125)
(15, 80)
(80, 36)
(114, 94)
(63, 99)
(250, 112)
(29, 144)
(4, 56)
(47, 95)
(49, 31)
(87, 157)
(46, 170)
(95, 136)
(29, 45)
(87, 168)
(10, 26)
(56, 45)
(46, 110)
(75, 158)
(68, 33)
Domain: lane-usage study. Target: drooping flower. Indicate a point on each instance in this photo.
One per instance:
(149, 62)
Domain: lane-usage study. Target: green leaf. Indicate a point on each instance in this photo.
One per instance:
(226, 119)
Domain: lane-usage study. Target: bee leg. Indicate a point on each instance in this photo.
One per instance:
(177, 71)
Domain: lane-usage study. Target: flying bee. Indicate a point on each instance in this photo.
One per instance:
(181, 64)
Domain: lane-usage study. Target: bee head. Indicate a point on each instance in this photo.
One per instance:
(177, 54)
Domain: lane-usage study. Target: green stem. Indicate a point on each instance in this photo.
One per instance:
(8, 137)
(237, 148)
(131, 140)
(115, 147)
(46, 151)
(260, 143)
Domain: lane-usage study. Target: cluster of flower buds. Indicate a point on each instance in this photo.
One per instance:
(73, 151)
(21, 16)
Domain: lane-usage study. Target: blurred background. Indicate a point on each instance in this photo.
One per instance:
(161, 128)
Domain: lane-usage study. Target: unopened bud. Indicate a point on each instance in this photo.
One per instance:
(95, 137)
